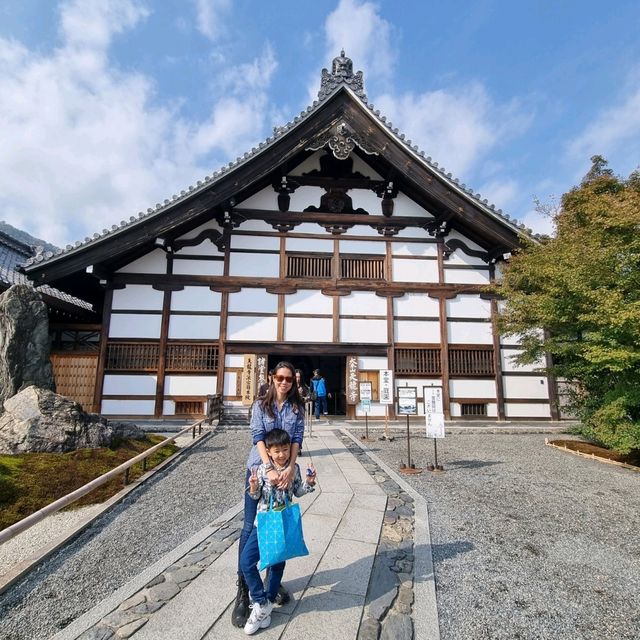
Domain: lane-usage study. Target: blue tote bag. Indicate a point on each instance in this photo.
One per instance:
(280, 535)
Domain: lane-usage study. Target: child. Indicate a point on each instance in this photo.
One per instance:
(278, 445)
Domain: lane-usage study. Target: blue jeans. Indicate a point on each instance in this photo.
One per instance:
(250, 509)
(321, 405)
(249, 564)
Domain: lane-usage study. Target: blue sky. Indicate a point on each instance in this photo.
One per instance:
(109, 106)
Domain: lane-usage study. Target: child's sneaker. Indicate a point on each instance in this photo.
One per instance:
(260, 617)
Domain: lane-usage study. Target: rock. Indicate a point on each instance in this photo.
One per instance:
(397, 627)
(38, 419)
(24, 342)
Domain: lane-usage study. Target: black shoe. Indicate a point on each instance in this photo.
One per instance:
(283, 596)
(240, 613)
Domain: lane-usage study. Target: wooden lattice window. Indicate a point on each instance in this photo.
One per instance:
(418, 360)
(191, 357)
(132, 356)
(190, 407)
(79, 340)
(473, 409)
(308, 266)
(362, 267)
(471, 361)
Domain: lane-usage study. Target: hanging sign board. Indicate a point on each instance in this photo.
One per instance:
(248, 379)
(407, 401)
(352, 379)
(386, 386)
(432, 400)
(261, 370)
(365, 405)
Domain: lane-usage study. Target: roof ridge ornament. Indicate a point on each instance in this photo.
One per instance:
(341, 73)
(341, 140)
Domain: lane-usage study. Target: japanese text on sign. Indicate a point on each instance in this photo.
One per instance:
(386, 386)
(352, 379)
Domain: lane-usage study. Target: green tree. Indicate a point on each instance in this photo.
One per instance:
(576, 296)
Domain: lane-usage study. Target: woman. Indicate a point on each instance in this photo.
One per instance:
(282, 408)
(303, 390)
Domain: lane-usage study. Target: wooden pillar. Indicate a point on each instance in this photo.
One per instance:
(444, 336)
(391, 354)
(224, 310)
(497, 351)
(102, 354)
(162, 354)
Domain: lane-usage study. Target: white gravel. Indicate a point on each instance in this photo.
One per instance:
(528, 542)
(178, 501)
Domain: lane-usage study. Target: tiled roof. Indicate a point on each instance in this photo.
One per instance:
(331, 83)
(14, 253)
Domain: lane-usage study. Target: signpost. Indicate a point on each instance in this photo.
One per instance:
(434, 418)
(386, 397)
(366, 394)
(408, 406)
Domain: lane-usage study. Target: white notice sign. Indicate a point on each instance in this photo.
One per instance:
(386, 386)
(432, 400)
(435, 425)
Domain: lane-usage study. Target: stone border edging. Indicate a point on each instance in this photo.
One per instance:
(426, 625)
(20, 570)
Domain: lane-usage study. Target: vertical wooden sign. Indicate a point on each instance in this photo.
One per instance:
(352, 380)
(249, 379)
(261, 369)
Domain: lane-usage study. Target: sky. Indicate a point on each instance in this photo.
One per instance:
(108, 107)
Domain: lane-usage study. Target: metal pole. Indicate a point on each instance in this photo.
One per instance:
(435, 450)
(366, 425)
(408, 445)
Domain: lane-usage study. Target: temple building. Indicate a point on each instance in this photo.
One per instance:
(335, 244)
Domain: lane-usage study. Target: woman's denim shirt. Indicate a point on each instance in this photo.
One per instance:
(262, 422)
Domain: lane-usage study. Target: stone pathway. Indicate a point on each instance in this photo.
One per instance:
(368, 572)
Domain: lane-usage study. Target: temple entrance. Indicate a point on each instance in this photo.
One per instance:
(331, 367)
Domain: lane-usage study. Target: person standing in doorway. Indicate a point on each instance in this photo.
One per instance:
(320, 393)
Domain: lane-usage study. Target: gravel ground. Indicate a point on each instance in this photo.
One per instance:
(528, 542)
(174, 504)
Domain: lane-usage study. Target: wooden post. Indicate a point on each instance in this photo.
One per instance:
(444, 336)
(102, 356)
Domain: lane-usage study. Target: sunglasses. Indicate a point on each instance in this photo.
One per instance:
(288, 379)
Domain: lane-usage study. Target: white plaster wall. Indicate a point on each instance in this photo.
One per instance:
(469, 332)
(253, 301)
(363, 330)
(414, 249)
(309, 164)
(365, 169)
(195, 299)
(194, 327)
(306, 245)
(154, 262)
(230, 383)
(175, 385)
(255, 242)
(264, 199)
(364, 247)
(405, 206)
(310, 227)
(456, 235)
(168, 408)
(460, 257)
(205, 248)
(302, 198)
(416, 304)
(508, 364)
(308, 329)
(372, 363)
(359, 230)
(128, 407)
(261, 265)
(138, 296)
(130, 325)
(516, 338)
(367, 200)
(257, 225)
(420, 331)
(414, 232)
(525, 387)
(472, 388)
(465, 276)
(363, 303)
(468, 306)
(198, 267)
(234, 360)
(243, 328)
(129, 385)
(414, 270)
(527, 410)
(308, 301)
(492, 410)
(210, 224)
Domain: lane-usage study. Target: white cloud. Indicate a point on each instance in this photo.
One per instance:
(209, 17)
(502, 193)
(613, 133)
(366, 38)
(86, 145)
(457, 127)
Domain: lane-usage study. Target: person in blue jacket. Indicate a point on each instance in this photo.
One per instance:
(280, 408)
(319, 393)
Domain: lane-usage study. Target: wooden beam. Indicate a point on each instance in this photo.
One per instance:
(444, 338)
(102, 357)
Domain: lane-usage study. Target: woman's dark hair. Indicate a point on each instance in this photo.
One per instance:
(276, 437)
(293, 396)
